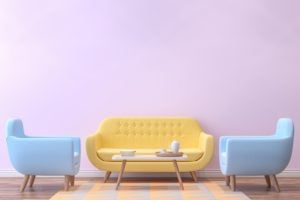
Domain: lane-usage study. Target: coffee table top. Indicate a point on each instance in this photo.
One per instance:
(119, 157)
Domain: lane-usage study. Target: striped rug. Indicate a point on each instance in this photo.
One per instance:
(208, 190)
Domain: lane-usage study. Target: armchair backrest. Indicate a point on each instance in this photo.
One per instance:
(285, 133)
(14, 127)
(285, 128)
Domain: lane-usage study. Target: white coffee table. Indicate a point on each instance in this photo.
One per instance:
(148, 158)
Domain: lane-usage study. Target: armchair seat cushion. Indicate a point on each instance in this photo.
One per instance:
(76, 157)
(223, 158)
(106, 154)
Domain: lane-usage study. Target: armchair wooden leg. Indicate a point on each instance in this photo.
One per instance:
(67, 182)
(31, 180)
(227, 180)
(275, 182)
(25, 181)
(72, 180)
(194, 176)
(107, 175)
(268, 180)
(233, 183)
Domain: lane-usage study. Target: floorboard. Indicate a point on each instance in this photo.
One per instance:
(45, 187)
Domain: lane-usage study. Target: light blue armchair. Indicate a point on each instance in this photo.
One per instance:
(33, 156)
(257, 155)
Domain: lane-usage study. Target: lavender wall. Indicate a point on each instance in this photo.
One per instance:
(66, 65)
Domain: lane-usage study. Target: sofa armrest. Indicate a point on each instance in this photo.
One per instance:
(206, 143)
(92, 144)
(205, 140)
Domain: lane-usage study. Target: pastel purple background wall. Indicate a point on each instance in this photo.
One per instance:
(66, 65)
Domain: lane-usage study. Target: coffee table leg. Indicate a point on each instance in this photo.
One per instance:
(178, 174)
(121, 173)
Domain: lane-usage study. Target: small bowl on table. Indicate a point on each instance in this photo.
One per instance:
(127, 152)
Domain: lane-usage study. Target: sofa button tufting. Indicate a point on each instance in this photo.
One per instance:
(146, 132)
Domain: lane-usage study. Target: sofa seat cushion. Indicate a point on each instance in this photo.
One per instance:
(106, 154)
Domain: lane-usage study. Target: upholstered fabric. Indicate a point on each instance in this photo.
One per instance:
(144, 133)
(41, 155)
(257, 155)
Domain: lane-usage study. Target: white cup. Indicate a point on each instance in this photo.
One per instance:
(175, 145)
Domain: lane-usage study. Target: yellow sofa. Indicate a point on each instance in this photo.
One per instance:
(147, 135)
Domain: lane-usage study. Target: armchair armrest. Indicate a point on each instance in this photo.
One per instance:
(257, 153)
(223, 140)
(255, 146)
(76, 141)
(42, 155)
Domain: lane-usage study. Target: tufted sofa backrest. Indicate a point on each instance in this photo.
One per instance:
(148, 132)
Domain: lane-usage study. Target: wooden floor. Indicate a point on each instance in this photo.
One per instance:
(44, 188)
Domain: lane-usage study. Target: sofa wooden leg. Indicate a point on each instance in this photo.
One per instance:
(268, 180)
(107, 175)
(233, 183)
(227, 180)
(275, 183)
(194, 176)
(31, 180)
(67, 182)
(25, 181)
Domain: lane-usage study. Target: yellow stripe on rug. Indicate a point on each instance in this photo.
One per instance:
(207, 190)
